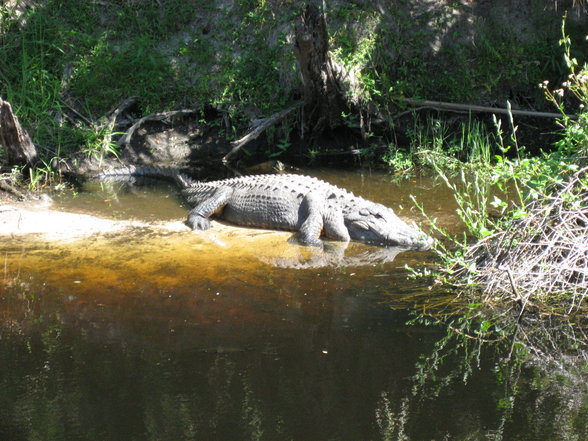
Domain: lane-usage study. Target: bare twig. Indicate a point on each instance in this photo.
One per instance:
(82, 117)
(260, 127)
(126, 138)
(545, 253)
(112, 120)
(456, 107)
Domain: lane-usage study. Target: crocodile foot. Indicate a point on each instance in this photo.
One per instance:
(197, 222)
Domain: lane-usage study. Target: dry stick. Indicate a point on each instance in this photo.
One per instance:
(442, 105)
(112, 116)
(126, 138)
(112, 120)
(259, 128)
(563, 250)
(78, 114)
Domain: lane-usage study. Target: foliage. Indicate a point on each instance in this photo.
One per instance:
(572, 93)
(91, 56)
(239, 58)
(541, 256)
(434, 52)
(528, 250)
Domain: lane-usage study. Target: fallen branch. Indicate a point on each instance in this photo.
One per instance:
(126, 138)
(76, 113)
(441, 105)
(112, 121)
(260, 127)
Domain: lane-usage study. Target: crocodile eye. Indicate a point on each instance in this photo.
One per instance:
(364, 212)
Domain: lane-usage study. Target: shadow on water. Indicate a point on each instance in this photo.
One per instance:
(237, 334)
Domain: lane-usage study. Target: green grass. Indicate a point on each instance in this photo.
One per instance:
(436, 144)
(239, 58)
(171, 54)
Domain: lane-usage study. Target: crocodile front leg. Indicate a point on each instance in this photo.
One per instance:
(311, 211)
(198, 217)
(334, 222)
(323, 216)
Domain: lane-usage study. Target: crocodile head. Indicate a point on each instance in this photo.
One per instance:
(376, 223)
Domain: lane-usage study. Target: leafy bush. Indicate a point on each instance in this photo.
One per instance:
(573, 94)
(534, 249)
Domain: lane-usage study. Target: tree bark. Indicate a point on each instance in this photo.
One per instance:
(17, 143)
(324, 98)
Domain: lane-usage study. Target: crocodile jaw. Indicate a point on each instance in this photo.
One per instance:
(379, 224)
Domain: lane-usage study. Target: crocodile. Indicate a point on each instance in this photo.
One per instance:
(308, 206)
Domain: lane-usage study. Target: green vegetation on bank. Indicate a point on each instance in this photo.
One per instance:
(90, 56)
(238, 57)
(526, 219)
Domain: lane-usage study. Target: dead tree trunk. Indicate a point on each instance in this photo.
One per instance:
(324, 98)
(17, 143)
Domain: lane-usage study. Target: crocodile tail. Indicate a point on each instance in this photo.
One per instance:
(146, 171)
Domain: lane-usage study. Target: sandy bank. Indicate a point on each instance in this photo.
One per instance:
(42, 222)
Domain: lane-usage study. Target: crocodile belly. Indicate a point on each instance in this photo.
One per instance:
(263, 211)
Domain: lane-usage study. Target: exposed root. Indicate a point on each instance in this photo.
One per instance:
(6, 186)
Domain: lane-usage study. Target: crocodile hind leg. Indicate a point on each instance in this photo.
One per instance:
(198, 217)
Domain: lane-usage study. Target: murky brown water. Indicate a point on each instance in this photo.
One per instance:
(228, 334)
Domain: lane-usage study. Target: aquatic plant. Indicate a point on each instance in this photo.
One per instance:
(537, 364)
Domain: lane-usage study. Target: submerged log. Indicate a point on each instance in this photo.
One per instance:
(17, 143)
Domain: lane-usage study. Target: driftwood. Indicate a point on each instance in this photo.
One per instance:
(260, 127)
(455, 107)
(17, 143)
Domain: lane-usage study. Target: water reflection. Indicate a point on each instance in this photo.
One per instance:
(167, 365)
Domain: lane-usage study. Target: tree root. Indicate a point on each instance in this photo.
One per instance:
(12, 190)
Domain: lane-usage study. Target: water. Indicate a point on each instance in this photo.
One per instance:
(235, 334)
